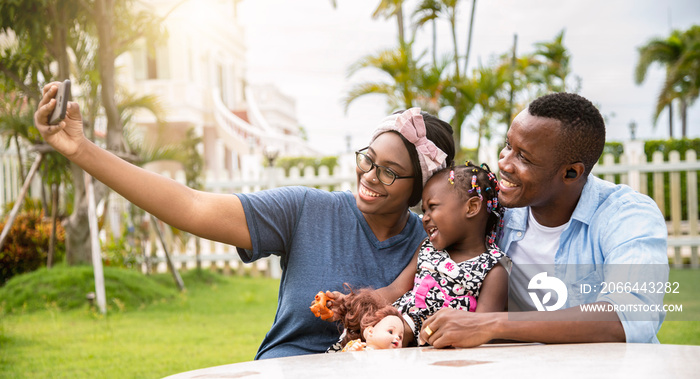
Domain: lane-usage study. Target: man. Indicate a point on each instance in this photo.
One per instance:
(590, 231)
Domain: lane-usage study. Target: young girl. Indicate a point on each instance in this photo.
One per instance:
(457, 265)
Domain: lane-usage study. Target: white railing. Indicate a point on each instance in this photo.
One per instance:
(634, 170)
(240, 135)
(9, 176)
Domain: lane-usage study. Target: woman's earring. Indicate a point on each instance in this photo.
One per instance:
(374, 180)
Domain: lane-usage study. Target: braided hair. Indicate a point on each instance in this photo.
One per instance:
(471, 180)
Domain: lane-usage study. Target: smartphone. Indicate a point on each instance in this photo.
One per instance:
(62, 98)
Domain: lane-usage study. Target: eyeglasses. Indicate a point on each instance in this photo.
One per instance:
(384, 174)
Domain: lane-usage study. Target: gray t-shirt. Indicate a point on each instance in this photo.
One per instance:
(323, 241)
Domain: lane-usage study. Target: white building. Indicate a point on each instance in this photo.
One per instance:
(198, 73)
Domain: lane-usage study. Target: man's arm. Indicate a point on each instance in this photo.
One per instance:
(451, 327)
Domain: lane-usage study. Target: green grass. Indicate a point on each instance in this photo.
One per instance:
(48, 330)
(64, 288)
(219, 320)
(683, 328)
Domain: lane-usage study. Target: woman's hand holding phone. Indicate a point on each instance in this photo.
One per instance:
(66, 136)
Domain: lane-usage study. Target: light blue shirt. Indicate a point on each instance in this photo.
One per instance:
(616, 235)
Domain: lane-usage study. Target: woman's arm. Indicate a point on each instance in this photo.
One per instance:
(212, 216)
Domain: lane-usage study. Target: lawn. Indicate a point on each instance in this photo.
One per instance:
(683, 328)
(219, 320)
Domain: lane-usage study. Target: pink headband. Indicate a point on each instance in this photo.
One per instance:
(410, 124)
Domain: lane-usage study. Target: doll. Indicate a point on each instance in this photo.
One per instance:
(369, 321)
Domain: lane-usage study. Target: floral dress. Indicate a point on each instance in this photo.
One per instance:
(440, 282)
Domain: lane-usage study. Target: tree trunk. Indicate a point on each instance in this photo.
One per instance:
(469, 37)
(19, 157)
(77, 225)
(198, 252)
(434, 42)
(78, 247)
(399, 19)
(670, 120)
(105, 26)
(455, 50)
(44, 200)
(54, 217)
(457, 121)
(480, 134)
(509, 114)
(684, 118)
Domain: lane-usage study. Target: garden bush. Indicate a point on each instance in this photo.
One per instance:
(27, 245)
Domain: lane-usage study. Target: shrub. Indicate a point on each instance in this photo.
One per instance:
(27, 245)
(119, 252)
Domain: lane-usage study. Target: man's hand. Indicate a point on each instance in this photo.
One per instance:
(458, 328)
(67, 136)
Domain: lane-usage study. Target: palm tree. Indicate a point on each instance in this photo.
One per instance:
(400, 69)
(553, 61)
(680, 54)
(391, 8)
(469, 35)
(665, 52)
(432, 85)
(429, 11)
(685, 74)
(460, 95)
(491, 97)
(462, 100)
(450, 12)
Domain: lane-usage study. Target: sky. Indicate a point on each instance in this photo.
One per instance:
(305, 48)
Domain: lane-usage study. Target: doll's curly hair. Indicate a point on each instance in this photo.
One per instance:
(360, 309)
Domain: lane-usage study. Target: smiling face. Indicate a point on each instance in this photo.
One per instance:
(529, 169)
(374, 197)
(386, 334)
(443, 213)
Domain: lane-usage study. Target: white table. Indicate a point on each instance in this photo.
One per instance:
(603, 360)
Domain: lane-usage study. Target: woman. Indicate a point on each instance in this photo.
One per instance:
(324, 239)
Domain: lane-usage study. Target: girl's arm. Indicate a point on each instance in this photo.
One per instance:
(493, 295)
(212, 216)
(403, 283)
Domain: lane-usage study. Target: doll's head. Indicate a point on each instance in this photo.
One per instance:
(367, 316)
(383, 329)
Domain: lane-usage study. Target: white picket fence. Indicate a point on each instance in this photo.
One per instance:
(633, 170)
(9, 174)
